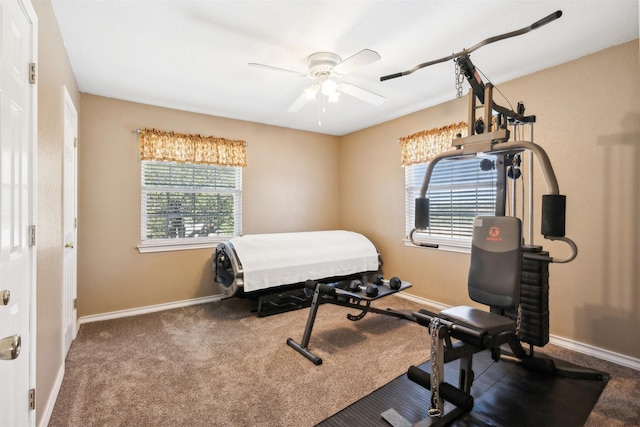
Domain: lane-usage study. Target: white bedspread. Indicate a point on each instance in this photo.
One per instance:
(270, 260)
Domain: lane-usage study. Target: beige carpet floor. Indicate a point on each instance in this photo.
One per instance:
(218, 364)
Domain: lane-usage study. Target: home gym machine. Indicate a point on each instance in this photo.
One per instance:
(508, 276)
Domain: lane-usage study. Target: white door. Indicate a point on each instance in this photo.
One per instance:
(17, 206)
(70, 259)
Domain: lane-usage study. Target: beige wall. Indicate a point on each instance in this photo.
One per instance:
(291, 183)
(588, 121)
(54, 73)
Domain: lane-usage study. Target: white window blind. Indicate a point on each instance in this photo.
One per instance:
(459, 190)
(185, 201)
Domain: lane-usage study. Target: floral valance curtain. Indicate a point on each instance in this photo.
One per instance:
(423, 146)
(185, 148)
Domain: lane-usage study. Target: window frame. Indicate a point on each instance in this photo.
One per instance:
(413, 182)
(186, 243)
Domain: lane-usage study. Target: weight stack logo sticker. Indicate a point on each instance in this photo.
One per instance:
(494, 235)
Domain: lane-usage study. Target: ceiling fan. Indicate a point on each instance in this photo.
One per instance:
(326, 69)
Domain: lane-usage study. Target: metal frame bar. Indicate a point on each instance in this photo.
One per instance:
(303, 346)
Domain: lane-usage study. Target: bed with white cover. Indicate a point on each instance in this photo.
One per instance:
(260, 263)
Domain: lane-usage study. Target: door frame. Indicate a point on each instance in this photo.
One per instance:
(30, 12)
(69, 295)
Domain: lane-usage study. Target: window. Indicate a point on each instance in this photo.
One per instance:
(459, 191)
(188, 205)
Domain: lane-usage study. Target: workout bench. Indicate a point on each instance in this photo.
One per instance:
(354, 294)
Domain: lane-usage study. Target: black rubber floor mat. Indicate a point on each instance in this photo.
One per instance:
(505, 394)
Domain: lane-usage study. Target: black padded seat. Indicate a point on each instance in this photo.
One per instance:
(494, 275)
(480, 320)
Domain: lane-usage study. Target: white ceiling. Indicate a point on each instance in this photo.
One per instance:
(194, 55)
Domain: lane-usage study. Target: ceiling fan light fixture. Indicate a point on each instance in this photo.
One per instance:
(324, 68)
(310, 92)
(329, 88)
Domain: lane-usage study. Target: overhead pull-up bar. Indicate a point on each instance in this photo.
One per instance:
(544, 21)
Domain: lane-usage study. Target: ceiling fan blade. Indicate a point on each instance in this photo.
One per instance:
(298, 103)
(284, 70)
(361, 94)
(360, 59)
(306, 95)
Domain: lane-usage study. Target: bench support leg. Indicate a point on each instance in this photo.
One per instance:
(303, 348)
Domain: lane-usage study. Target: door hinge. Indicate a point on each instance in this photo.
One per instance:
(32, 399)
(75, 222)
(32, 73)
(75, 303)
(32, 235)
(75, 142)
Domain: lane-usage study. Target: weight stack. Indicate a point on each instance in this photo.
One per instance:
(534, 299)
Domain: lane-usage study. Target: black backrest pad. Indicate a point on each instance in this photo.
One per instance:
(496, 258)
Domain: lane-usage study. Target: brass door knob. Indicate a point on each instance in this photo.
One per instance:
(5, 296)
(10, 347)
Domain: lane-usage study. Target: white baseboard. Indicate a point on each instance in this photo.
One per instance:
(51, 402)
(610, 356)
(424, 301)
(147, 309)
(600, 353)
